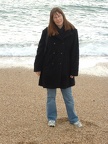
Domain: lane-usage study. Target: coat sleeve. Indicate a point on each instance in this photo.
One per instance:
(38, 63)
(75, 54)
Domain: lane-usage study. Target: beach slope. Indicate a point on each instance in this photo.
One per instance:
(23, 110)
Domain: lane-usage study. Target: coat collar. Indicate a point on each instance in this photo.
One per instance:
(66, 34)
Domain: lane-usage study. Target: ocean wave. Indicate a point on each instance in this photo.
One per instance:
(16, 45)
(22, 22)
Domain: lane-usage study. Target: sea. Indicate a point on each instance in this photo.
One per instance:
(22, 22)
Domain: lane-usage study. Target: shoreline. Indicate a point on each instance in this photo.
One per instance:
(89, 65)
(23, 110)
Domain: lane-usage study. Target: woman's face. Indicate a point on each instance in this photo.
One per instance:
(58, 19)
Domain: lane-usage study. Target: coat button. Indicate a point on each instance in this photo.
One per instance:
(61, 53)
(54, 43)
(53, 52)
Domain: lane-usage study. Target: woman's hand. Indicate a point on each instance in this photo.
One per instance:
(38, 73)
(71, 76)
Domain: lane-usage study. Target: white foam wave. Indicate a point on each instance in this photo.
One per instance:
(94, 66)
(97, 66)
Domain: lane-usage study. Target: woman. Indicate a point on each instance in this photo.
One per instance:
(57, 62)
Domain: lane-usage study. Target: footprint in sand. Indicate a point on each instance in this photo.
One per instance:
(87, 123)
(34, 142)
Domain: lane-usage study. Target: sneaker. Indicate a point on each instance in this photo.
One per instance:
(78, 124)
(51, 123)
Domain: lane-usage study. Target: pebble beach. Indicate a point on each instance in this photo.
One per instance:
(23, 110)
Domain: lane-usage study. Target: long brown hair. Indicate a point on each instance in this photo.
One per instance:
(52, 30)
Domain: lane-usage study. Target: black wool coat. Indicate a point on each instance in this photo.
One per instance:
(59, 60)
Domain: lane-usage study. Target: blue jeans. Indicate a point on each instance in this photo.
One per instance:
(69, 103)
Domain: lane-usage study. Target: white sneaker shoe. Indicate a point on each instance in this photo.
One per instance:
(78, 124)
(51, 123)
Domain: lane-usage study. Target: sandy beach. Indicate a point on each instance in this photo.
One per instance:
(23, 110)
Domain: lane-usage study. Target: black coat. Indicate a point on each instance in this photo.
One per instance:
(59, 61)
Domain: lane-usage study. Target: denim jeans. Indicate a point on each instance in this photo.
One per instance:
(69, 103)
